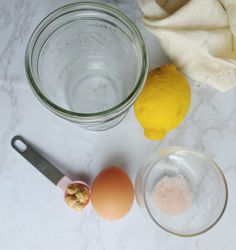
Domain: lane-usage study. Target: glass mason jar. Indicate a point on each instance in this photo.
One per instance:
(87, 63)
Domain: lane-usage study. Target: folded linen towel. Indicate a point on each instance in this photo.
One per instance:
(199, 36)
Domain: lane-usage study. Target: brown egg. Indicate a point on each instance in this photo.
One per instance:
(112, 193)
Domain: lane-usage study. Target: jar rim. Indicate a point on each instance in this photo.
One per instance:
(119, 108)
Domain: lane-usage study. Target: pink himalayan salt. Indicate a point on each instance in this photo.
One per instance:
(172, 195)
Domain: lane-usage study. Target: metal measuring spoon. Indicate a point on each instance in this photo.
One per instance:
(52, 173)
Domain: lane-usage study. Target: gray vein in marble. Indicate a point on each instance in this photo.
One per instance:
(22, 18)
(99, 238)
(19, 31)
(5, 18)
(230, 168)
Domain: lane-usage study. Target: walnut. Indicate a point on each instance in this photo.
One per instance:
(77, 196)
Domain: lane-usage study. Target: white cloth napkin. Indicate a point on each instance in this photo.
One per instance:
(199, 36)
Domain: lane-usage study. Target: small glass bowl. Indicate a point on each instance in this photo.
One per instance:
(207, 184)
(87, 63)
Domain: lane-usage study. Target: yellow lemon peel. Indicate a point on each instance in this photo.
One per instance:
(164, 101)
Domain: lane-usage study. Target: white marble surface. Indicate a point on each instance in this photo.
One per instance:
(32, 212)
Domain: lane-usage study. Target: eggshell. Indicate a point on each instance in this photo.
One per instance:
(112, 193)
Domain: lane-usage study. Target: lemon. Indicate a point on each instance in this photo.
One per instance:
(163, 103)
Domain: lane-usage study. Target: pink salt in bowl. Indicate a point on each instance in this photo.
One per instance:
(181, 191)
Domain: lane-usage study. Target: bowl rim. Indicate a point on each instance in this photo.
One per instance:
(109, 10)
(216, 168)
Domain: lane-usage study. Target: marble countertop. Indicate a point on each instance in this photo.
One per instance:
(32, 212)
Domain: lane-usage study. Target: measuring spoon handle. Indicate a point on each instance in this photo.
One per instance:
(37, 160)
